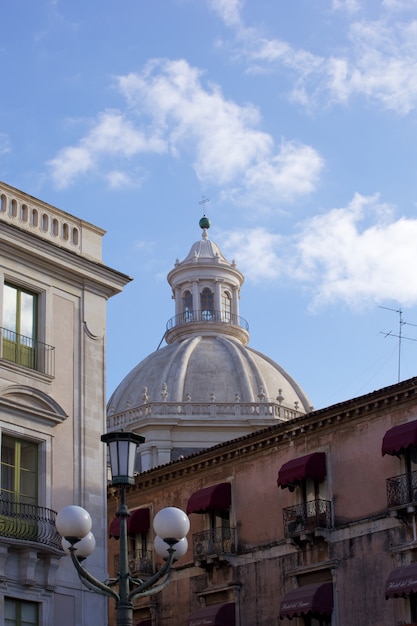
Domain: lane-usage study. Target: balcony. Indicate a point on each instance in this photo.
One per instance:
(27, 352)
(28, 522)
(212, 321)
(306, 518)
(213, 543)
(402, 491)
(140, 563)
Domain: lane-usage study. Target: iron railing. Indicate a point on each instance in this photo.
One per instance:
(27, 351)
(402, 490)
(140, 562)
(307, 517)
(28, 522)
(214, 542)
(197, 316)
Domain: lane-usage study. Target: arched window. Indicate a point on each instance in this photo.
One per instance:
(226, 307)
(207, 304)
(45, 222)
(13, 208)
(34, 218)
(187, 306)
(24, 213)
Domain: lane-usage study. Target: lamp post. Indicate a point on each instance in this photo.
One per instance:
(171, 526)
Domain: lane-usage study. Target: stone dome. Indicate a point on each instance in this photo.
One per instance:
(206, 385)
(208, 369)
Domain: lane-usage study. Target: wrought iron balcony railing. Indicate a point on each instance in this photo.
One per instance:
(213, 542)
(307, 517)
(140, 562)
(197, 316)
(27, 352)
(402, 490)
(28, 522)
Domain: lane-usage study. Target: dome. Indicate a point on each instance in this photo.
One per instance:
(207, 369)
(206, 385)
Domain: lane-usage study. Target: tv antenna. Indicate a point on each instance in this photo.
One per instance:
(400, 336)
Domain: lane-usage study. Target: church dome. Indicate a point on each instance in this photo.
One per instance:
(208, 369)
(206, 385)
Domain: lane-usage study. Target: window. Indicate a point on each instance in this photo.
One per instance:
(19, 488)
(20, 613)
(226, 307)
(215, 503)
(306, 474)
(187, 306)
(19, 325)
(221, 531)
(19, 470)
(401, 441)
(207, 304)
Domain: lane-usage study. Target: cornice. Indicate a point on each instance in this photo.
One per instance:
(48, 255)
(388, 398)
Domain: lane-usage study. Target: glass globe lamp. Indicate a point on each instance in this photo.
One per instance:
(73, 521)
(171, 524)
(161, 548)
(83, 548)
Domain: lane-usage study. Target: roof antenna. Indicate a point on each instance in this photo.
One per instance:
(400, 336)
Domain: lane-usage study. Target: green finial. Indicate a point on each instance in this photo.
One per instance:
(204, 222)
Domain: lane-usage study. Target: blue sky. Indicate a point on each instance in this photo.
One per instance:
(296, 119)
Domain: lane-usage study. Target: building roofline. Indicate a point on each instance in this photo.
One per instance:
(387, 397)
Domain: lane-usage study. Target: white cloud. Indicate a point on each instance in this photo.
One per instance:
(359, 255)
(377, 59)
(293, 171)
(112, 135)
(223, 135)
(257, 253)
(228, 10)
(170, 109)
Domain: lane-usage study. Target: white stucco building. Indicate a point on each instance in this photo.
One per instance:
(53, 292)
(206, 385)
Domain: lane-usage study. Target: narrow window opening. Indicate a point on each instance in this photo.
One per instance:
(24, 213)
(187, 306)
(207, 304)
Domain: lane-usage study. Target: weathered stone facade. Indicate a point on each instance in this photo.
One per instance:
(53, 292)
(343, 527)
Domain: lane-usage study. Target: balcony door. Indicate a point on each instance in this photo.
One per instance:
(19, 325)
(19, 487)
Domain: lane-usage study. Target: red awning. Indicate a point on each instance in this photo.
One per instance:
(114, 530)
(310, 466)
(399, 438)
(401, 582)
(215, 615)
(214, 498)
(138, 523)
(308, 600)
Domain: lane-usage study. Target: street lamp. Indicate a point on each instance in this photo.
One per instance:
(171, 526)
